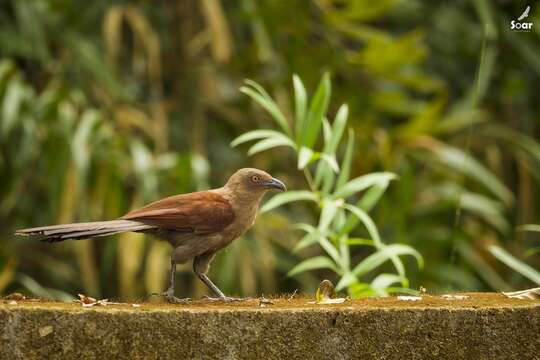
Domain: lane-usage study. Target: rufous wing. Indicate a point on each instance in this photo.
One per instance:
(202, 212)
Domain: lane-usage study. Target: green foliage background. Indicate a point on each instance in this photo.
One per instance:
(107, 105)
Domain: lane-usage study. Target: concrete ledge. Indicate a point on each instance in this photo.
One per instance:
(485, 326)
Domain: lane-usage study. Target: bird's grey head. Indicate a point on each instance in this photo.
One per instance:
(254, 181)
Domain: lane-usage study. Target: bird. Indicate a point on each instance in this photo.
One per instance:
(196, 224)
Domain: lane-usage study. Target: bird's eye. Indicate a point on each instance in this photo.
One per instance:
(255, 178)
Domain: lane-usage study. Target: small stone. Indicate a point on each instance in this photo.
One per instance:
(15, 296)
(136, 305)
(45, 330)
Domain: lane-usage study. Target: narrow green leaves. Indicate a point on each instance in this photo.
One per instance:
(362, 183)
(515, 264)
(270, 143)
(331, 188)
(254, 135)
(384, 254)
(257, 93)
(317, 262)
(287, 197)
(300, 103)
(316, 113)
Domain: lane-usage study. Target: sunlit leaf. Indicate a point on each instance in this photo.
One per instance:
(363, 182)
(383, 281)
(337, 129)
(254, 135)
(269, 105)
(309, 239)
(11, 106)
(329, 209)
(347, 160)
(287, 197)
(329, 248)
(317, 110)
(529, 227)
(367, 221)
(82, 139)
(331, 161)
(327, 132)
(300, 102)
(305, 155)
(466, 164)
(384, 254)
(347, 279)
(317, 262)
(270, 143)
(515, 264)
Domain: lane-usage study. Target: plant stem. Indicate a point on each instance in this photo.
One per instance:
(309, 179)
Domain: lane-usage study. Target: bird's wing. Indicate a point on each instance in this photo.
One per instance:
(203, 212)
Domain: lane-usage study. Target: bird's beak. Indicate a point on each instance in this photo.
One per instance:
(274, 183)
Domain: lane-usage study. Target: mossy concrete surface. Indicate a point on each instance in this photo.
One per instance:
(483, 326)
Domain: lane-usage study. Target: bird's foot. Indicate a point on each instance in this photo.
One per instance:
(223, 298)
(169, 296)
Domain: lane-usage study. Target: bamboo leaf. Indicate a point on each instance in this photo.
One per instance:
(466, 164)
(270, 143)
(363, 182)
(515, 264)
(384, 254)
(254, 135)
(337, 129)
(317, 110)
(287, 197)
(305, 156)
(318, 262)
(347, 279)
(529, 227)
(347, 160)
(331, 161)
(300, 102)
(309, 239)
(367, 221)
(329, 209)
(383, 281)
(269, 105)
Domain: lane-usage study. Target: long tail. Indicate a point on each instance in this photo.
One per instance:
(86, 230)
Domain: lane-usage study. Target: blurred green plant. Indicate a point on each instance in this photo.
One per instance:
(338, 200)
(519, 266)
(166, 77)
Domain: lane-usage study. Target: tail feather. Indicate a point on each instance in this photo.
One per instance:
(86, 230)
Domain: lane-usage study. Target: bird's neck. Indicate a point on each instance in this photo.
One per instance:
(242, 202)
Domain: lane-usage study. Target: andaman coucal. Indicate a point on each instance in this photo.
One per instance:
(197, 224)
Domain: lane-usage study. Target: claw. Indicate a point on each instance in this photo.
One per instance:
(173, 299)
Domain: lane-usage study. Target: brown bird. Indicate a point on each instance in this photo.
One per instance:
(197, 224)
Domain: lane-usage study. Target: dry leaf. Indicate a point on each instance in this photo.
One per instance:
(326, 294)
(264, 301)
(530, 294)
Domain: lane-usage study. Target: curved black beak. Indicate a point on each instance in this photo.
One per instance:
(274, 183)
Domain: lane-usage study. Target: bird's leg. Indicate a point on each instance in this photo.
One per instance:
(169, 294)
(200, 267)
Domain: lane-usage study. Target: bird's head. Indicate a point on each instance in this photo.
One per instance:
(254, 181)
